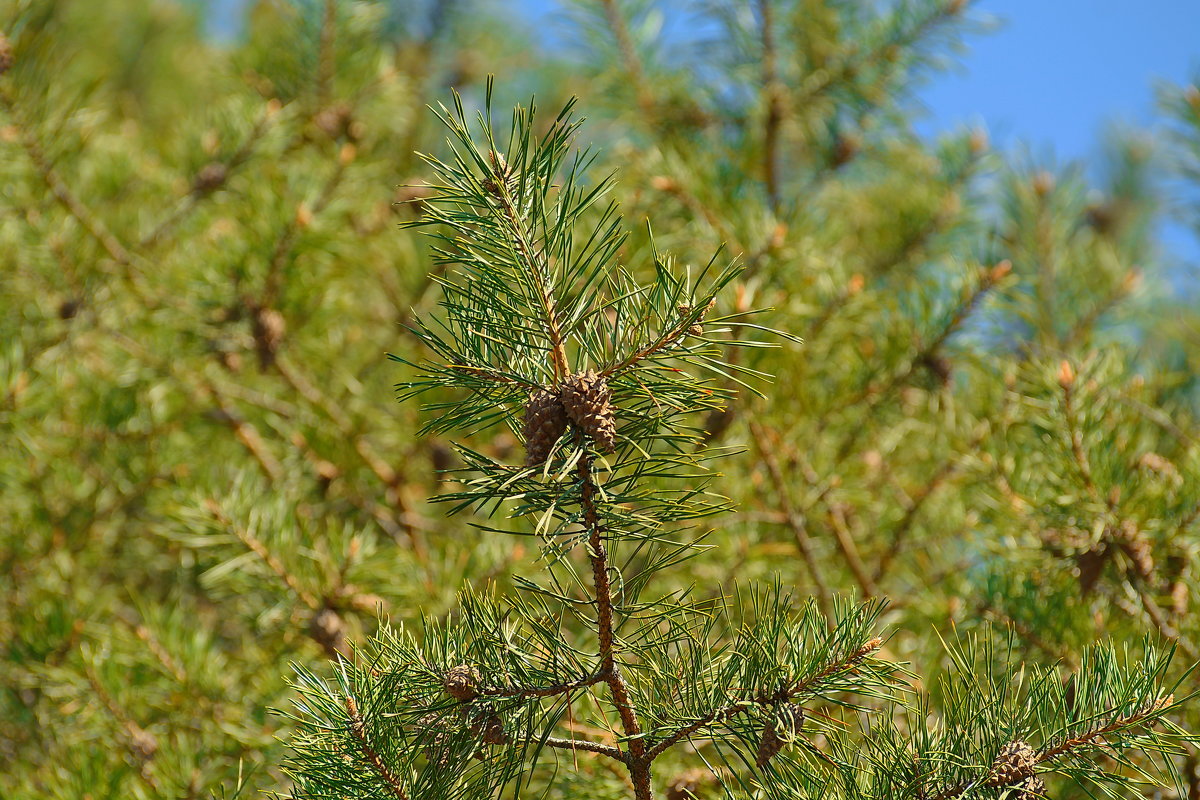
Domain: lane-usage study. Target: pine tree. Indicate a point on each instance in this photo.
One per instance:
(204, 477)
(484, 702)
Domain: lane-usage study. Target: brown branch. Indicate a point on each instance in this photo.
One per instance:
(639, 764)
(358, 730)
(904, 526)
(253, 544)
(668, 338)
(1063, 747)
(629, 57)
(273, 285)
(70, 201)
(140, 743)
(1066, 381)
(156, 648)
(1138, 716)
(583, 744)
(872, 395)
(796, 522)
(202, 185)
(845, 540)
(245, 432)
(773, 93)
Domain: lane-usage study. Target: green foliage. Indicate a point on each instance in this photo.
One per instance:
(207, 487)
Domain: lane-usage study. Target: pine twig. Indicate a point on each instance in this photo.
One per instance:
(795, 520)
(256, 546)
(377, 764)
(629, 57)
(732, 709)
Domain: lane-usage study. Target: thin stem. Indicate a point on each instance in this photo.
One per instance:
(541, 273)
(1063, 747)
(543, 691)
(639, 764)
(845, 540)
(583, 744)
(258, 548)
(325, 62)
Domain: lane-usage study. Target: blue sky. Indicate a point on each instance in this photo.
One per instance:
(1051, 76)
(1056, 72)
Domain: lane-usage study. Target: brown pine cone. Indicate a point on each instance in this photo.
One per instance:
(489, 729)
(784, 725)
(1032, 788)
(462, 682)
(545, 421)
(328, 629)
(1014, 763)
(588, 401)
(6, 54)
(212, 176)
(687, 785)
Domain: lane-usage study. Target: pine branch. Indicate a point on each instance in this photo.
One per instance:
(358, 730)
(639, 765)
(253, 544)
(795, 521)
(629, 57)
(785, 693)
(773, 95)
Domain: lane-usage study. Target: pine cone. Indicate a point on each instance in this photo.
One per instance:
(328, 630)
(782, 728)
(489, 729)
(1032, 788)
(434, 732)
(697, 328)
(462, 682)
(588, 402)
(687, 785)
(211, 177)
(1014, 764)
(545, 421)
(6, 54)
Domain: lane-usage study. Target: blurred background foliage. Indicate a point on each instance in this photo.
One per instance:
(992, 420)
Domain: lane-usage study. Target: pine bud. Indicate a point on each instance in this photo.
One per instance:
(588, 402)
(545, 421)
(696, 328)
(845, 148)
(1043, 183)
(268, 327)
(69, 308)
(462, 682)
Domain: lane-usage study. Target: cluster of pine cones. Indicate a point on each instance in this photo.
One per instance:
(583, 399)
